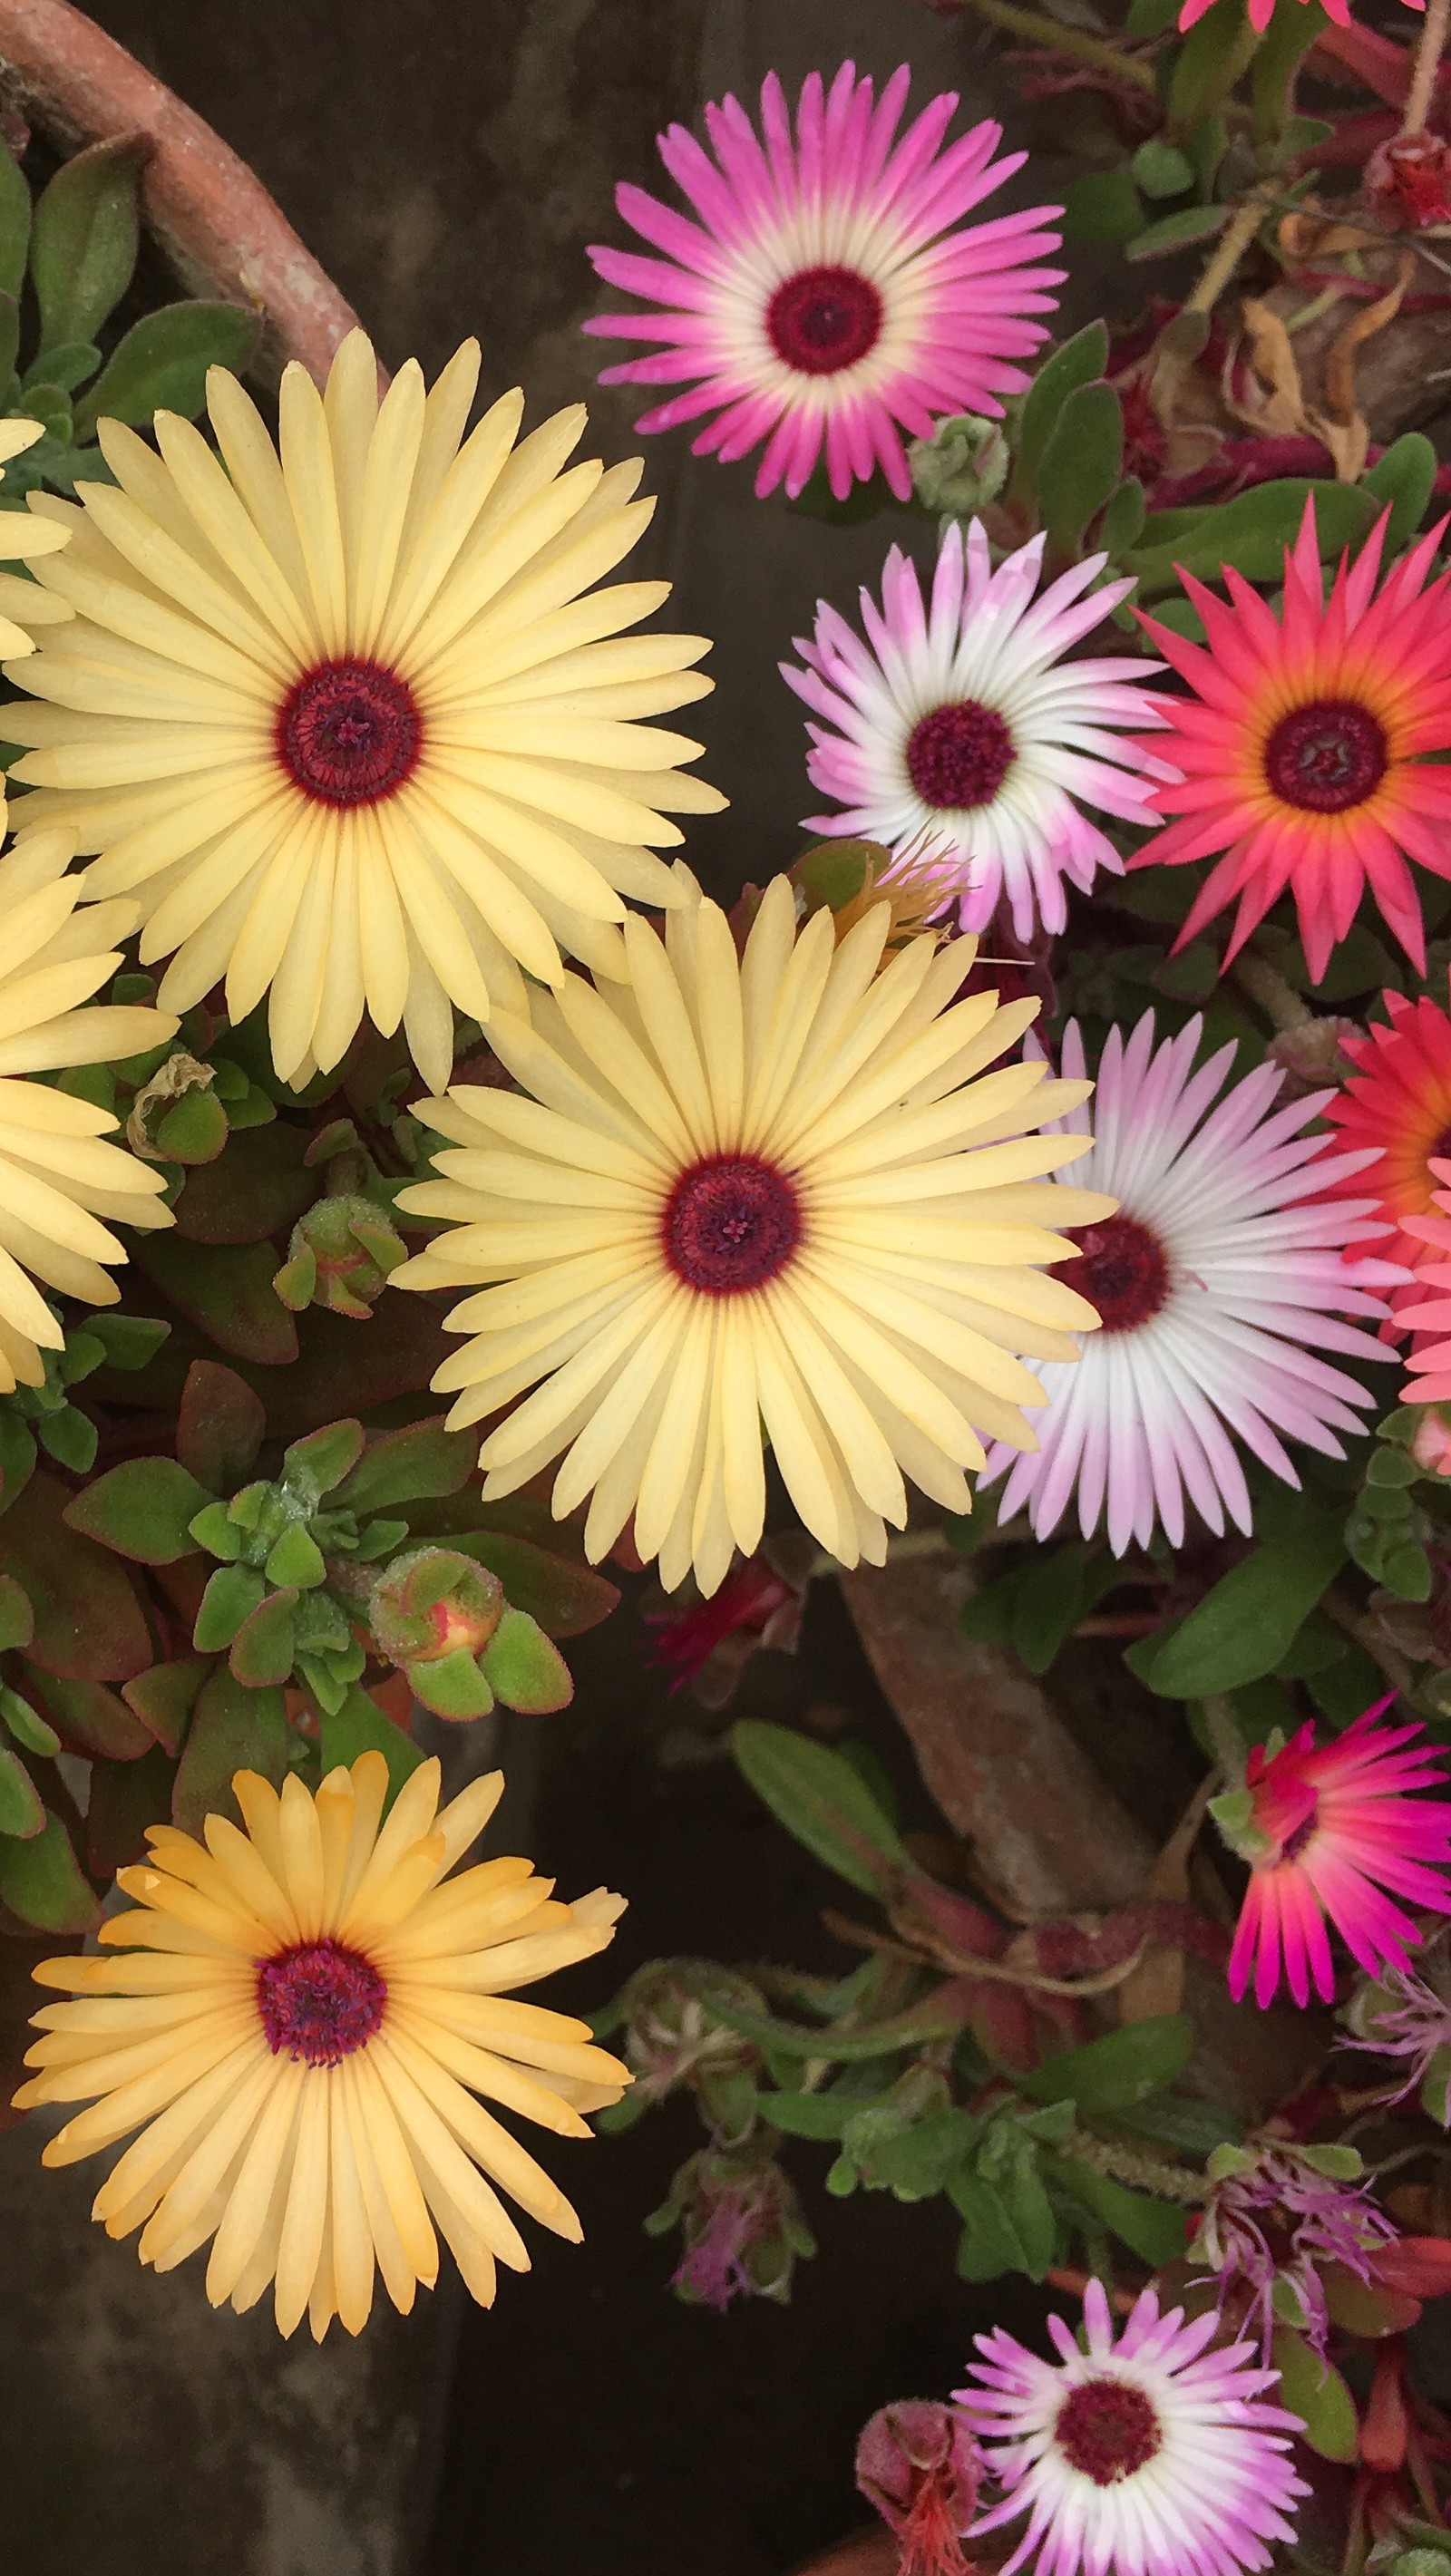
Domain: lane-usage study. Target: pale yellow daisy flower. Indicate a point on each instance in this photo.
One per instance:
(59, 1180)
(777, 1195)
(301, 2018)
(24, 539)
(348, 714)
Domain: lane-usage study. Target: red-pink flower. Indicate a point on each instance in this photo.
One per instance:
(1333, 1834)
(1429, 1316)
(706, 1647)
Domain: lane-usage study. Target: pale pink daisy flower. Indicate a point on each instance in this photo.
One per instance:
(1149, 2455)
(830, 290)
(958, 735)
(1221, 1279)
(1335, 1831)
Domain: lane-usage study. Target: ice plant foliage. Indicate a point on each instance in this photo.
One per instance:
(777, 1190)
(1398, 1102)
(1224, 1272)
(1335, 1834)
(960, 736)
(300, 2016)
(347, 715)
(63, 1186)
(1307, 745)
(1146, 2454)
(827, 292)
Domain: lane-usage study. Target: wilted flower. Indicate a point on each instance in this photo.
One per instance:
(920, 2465)
(1275, 2215)
(707, 1647)
(743, 2227)
(1406, 2013)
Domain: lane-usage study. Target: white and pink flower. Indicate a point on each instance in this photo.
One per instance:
(828, 291)
(1227, 1272)
(958, 735)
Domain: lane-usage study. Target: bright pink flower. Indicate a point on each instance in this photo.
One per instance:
(1261, 12)
(1429, 1317)
(1308, 750)
(830, 289)
(1333, 1832)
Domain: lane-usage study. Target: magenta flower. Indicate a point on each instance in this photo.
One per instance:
(829, 290)
(1276, 2217)
(1149, 2456)
(1335, 1832)
(961, 736)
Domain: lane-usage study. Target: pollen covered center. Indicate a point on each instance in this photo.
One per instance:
(731, 1223)
(319, 2001)
(824, 319)
(349, 732)
(1109, 2430)
(959, 755)
(1121, 1269)
(1327, 756)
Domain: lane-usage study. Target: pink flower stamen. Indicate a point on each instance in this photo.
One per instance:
(731, 1224)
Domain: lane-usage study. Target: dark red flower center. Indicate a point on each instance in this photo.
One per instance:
(1294, 1843)
(959, 755)
(824, 319)
(1109, 2430)
(1121, 1269)
(1440, 1151)
(349, 732)
(1326, 756)
(319, 2001)
(731, 1223)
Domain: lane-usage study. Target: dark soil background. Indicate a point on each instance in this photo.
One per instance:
(448, 160)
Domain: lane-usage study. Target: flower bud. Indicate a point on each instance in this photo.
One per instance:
(1431, 1439)
(920, 2465)
(444, 1620)
(1309, 1055)
(963, 465)
(339, 1255)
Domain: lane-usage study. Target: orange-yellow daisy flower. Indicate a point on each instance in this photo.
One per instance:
(1399, 1100)
(297, 2028)
(1305, 750)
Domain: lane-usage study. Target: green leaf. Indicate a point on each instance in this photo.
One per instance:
(1151, 17)
(1207, 65)
(919, 2162)
(1251, 532)
(161, 365)
(42, 1881)
(359, 1726)
(812, 2115)
(129, 1340)
(1315, 2391)
(87, 231)
(264, 1645)
(21, 1812)
(1159, 170)
(24, 1724)
(1080, 361)
(1048, 1603)
(15, 221)
(523, 1669)
(1082, 464)
(1177, 231)
(416, 1464)
(1123, 520)
(90, 1719)
(194, 1130)
(164, 1698)
(142, 1509)
(61, 370)
(1239, 1631)
(296, 1559)
(89, 1623)
(820, 1799)
(321, 1461)
(1102, 206)
(70, 1438)
(452, 1686)
(1404, 477)
(17, 1458)
(989, 2244)
(227, 1294)
(1117, 2071)
(232, 1594)
(233, 1729)
(1153, 2229)
(17, 1619)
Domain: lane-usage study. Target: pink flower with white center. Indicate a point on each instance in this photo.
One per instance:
(1149, 2456)
(1223, 1276)
(1335, 1832)
(1275, 2217)
(830, 291)
(960, 737)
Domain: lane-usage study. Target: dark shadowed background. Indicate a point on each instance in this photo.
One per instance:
(447, 161)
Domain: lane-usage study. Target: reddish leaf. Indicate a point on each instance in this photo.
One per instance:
(89, 1624)
(164, 1698)
(232, 1730)
(257, 1188)
(126, 1800)
(564, 1598)
(221, 1426)
(1383, 2427)
(1363, 2307)
(142, 1509)
(42, 1881)
(228, 1294)
(347, 1370)
(1419, 2265)
(17, 1620)
(89, 1719)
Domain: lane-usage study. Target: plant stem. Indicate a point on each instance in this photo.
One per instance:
(1222, 1727)
(1232, 245)
(1428, 56)
(1134, 2166)
(1283, 1007)
(1065, 40)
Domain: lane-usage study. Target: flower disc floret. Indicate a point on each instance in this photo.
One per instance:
(965, 734)
(350, 716)
(826, 293)
(296, 2016)
(777, 1191)
(1150, 2455)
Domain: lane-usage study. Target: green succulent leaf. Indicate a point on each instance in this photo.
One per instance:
(452, 1686)
(232, 1594)
(1315, 2391)
(296, 1559)
(1242, 1627)
(232, 1729)
(523, 1669)
(25, 1725)
(1119, 2070)
(264, 1645)
(21, 1811)
(1080, 361)
(165, 1697)
(1155, 2230)
(161, 364)
(17, 1619)
(421, 1461)
(87, 230)
(15, 222)
(1082, 464)
(143, 1509)
(822, 1800)
(357, 1725)
(221, 1427)
(1404, 477)
(42, 1881)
